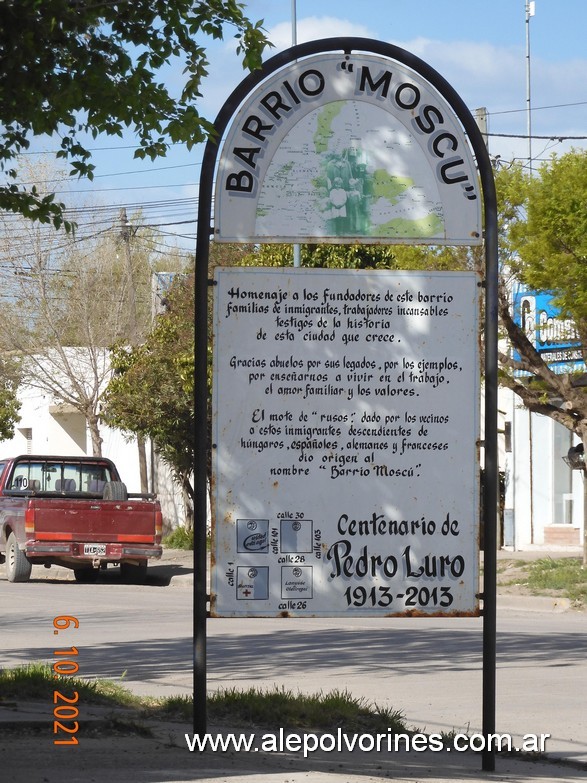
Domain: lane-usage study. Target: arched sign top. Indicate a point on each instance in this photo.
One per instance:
(347, 147)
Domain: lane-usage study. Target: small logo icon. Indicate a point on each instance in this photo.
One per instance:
(256, 542)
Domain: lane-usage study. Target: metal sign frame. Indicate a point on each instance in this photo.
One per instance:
(204, 232)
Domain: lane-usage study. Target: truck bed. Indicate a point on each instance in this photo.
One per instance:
(74, 511)
(67, 519)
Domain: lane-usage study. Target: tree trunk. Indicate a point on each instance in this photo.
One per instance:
(95, 436)
(188, 502)
(143, 463)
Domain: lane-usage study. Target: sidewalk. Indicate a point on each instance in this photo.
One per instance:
(161, 755)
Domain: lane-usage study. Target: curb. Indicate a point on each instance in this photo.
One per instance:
(533, 603)
(16, 715)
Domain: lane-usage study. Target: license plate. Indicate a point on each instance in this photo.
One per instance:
(94, 549)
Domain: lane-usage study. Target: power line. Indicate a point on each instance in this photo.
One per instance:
(99, 149)
(552, 137)
(125, 173)
(116, 148)
(538, 108)
(134, 187)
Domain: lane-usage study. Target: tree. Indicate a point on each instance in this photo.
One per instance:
(9, 405)
(66, 302)
(77, 70)
(544, 245)
(152, 390)
(361, 257)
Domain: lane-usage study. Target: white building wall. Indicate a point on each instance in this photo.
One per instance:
(47, 428)
(540, 513)
(521, 485)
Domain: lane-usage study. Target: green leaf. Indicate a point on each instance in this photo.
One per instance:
(95, 68)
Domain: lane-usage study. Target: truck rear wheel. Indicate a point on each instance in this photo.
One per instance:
(134, 573)
(18, 566)
(115, 490)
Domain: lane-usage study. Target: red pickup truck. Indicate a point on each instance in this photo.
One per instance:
(74, 512)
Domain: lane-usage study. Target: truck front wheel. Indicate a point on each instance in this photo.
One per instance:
(18, 566)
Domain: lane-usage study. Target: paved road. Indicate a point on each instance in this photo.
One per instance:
(428, 668)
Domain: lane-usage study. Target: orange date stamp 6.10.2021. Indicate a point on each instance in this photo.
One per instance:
(65, 711)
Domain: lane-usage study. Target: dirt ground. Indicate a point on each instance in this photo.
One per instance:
(512, 573)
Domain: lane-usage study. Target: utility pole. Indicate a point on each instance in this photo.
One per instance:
(480, 115)
(530, 11)
(125, 233)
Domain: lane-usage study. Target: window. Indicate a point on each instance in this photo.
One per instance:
(27, 434)
(52, 476)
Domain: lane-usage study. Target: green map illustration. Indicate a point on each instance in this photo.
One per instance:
(349, 169)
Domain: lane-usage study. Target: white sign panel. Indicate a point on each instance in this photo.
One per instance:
(344, 149)
(345, 431)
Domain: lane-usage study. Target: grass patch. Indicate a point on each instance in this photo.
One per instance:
(253, 707)
(180, 538)
(36, 682)
(562, 577)
(505, 566)
(280, 707)
(562, 574)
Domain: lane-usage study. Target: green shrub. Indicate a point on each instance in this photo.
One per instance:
(180, 538)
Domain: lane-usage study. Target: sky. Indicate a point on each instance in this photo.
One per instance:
(479, 46)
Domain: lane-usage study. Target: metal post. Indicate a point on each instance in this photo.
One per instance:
(584, 472)
(294, 40)
(491, 486)
(125, 233)
(200, 607)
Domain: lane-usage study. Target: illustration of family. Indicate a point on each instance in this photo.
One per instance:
(345, 193)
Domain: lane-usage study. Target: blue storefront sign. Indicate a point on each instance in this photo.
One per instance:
(554, 338)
